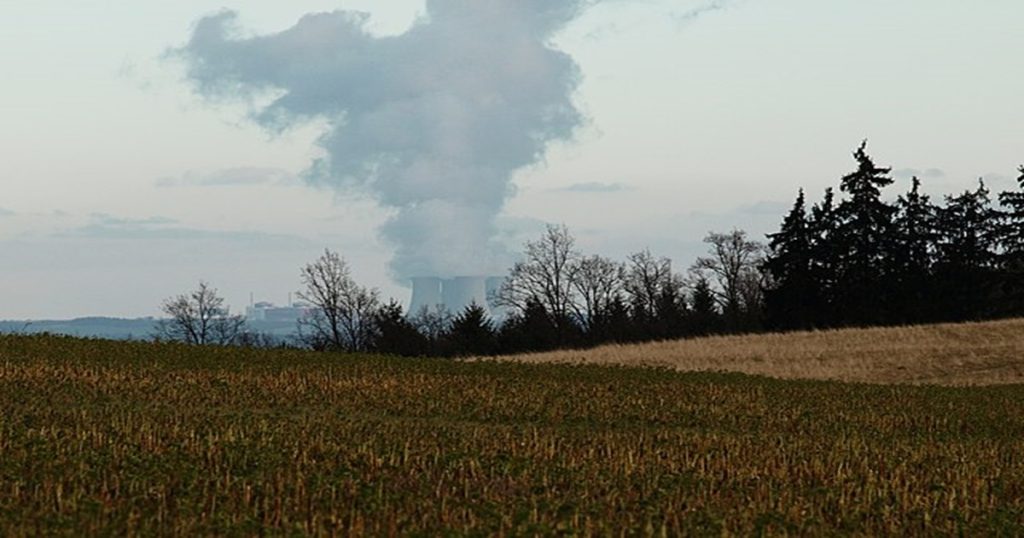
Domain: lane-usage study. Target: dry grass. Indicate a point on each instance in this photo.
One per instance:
(953, 354)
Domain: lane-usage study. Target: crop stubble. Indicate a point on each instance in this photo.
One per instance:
(114, 438)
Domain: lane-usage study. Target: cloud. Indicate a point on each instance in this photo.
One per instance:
(131, 72)
(157, 228)
(432, 123)
(4, 212)
(683, 18)
(928, 173)
(514, 230)
(232, 177)
(766, 207)
(603, 32)
(999, 182)
(105, 219)
(596, 187)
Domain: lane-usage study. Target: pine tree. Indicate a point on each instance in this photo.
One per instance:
(792, 298)
(910, 265)
(472, 332)
(1011, 239)
(704, 316)
(670, 312)
(1011, 232)
(394, 334)
(615, 324)
(966, 255)
(967, 227)
(824, 227)
(532, 329)
(863, 241)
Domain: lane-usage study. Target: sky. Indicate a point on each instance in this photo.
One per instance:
(123, 183)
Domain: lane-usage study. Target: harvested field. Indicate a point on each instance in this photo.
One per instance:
(102, 438)
(953, 354)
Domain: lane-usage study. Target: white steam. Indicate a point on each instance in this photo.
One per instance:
(432, 123)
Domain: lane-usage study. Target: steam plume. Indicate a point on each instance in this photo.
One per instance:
(432, 122)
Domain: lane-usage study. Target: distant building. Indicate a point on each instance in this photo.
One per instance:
(269, 313)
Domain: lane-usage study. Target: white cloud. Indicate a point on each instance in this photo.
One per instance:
(596, 187)
(232, 177)
(927, 173)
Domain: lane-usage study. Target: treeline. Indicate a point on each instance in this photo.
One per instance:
(558, 297)
(865, 261)
(853, 260)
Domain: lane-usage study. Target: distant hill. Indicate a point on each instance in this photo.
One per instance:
(92, 327)
(119, 328)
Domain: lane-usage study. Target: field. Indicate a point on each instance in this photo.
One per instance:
(953, 354)
(141, 439)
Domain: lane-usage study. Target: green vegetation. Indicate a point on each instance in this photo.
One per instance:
(123, 438)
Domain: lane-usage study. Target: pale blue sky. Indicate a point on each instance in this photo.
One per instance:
(120, 187)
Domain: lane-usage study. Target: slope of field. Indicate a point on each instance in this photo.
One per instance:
(953, 354)
(100, 438)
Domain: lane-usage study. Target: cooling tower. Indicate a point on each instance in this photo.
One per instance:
(426, 293)
(493, 285)
(463, 291)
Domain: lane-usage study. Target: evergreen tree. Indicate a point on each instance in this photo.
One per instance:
(863, 241)
(910, 264)
(670, 313)
(1011, 239)
(1011, 230)
(704, 317)
(472, 332)
(966, 255)
(824, 227)
(532, 329)
(614, 324)
(394, 334)
(791, 300)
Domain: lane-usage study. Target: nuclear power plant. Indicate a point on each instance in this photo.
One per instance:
(455, 294)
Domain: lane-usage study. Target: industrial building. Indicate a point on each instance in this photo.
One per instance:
(269, 313)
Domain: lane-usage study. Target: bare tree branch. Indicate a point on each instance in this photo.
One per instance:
(545, 276)
(343, 311)
(734, 266)
(199, 317)
(597, 283)
(647, 279)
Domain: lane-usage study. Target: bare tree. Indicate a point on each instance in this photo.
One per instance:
(647, 279)
(432, 321)
(200, 317)
(753, 282)
(342, 313)
(597, 283)
(545, 276)
(734, 266)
